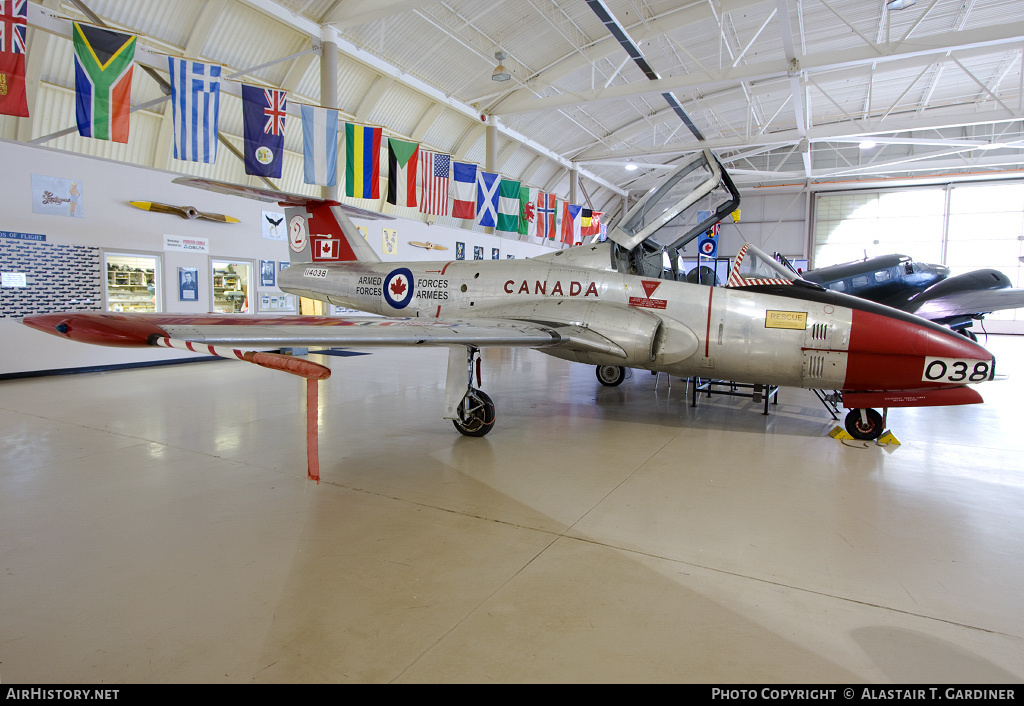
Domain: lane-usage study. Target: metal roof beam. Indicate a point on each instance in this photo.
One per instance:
(835, 132)
(978, 39)
(383, 68)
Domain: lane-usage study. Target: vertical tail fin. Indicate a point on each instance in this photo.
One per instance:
(318, 230)
(321, 231)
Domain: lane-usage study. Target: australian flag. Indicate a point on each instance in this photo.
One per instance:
(263, 115)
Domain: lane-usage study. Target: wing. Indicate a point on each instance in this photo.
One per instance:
(963, 303)
(122, 329)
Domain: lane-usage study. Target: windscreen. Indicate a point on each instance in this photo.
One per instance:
(753, 266)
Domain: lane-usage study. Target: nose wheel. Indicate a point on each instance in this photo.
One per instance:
(866, 424)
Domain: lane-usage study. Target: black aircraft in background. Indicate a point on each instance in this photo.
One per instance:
(925, 290)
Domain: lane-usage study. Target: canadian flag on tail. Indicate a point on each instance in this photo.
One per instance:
(325, 248)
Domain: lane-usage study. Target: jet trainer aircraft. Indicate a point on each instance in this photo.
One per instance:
(922, 289)
(610, 304)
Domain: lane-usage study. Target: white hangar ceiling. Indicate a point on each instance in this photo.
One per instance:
(785, 92)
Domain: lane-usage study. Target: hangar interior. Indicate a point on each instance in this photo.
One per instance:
(157, 522)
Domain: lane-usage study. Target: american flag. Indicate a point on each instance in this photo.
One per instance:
(12, 26)
(275, 111)
(434, 174)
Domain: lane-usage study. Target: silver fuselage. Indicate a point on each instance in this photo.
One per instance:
(661, 325)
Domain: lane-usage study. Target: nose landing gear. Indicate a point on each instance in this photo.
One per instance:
(865, 424)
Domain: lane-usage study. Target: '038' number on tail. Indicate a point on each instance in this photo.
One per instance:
(956, 370)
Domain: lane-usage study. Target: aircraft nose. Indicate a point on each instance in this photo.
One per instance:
(905, 353)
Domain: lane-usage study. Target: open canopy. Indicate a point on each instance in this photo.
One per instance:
(690, 200)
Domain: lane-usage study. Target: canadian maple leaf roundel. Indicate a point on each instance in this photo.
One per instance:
(398, 287)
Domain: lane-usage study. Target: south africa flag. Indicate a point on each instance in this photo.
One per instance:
(103, 81)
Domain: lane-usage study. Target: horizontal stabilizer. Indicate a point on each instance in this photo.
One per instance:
(279, 197)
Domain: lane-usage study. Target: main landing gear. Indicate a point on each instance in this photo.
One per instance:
(473, 413)
(611, 375)
(865, 424)
(476, 414)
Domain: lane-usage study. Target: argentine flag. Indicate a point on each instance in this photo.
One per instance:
(320, 145)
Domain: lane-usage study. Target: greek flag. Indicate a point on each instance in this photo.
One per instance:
(195, 99)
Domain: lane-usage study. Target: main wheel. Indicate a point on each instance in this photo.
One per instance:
(859, 430)
(476, 414)
(611, 375)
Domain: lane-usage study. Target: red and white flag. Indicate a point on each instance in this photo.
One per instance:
(13, 24)
(325, 248)
(434, 178)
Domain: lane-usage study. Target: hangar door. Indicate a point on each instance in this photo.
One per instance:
(965, 227)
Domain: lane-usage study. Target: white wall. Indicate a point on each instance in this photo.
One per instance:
(773, 221)
(111, 224)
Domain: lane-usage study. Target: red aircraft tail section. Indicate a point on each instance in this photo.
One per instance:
(319, 230)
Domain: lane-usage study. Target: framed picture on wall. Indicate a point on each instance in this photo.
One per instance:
(188, 284)
(268, 273)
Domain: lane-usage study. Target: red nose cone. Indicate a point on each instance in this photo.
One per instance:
(96, 328)
(888, 353)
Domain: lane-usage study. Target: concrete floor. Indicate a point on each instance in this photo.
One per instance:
(157, 526)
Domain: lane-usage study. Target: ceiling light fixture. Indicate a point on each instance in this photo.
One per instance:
(900, 4)
(867, 144)
(500, 72)
(630, 167)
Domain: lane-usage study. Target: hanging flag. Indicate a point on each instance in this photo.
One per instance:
(434, 168)
(103, 81)
(464, 186)
(362, 161)
(13, 23)
(487, 198)
(590, 223)
(571, 216)
(263, 113)
(508, 206)
(707, 244)
(195, 108)
(527, 212)
(546, 215)
(319, 145)
(402, 160)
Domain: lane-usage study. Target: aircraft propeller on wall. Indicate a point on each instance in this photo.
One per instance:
(187, 212)
(428, 246)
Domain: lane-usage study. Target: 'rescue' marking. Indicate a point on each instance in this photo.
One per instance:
(796, 320)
